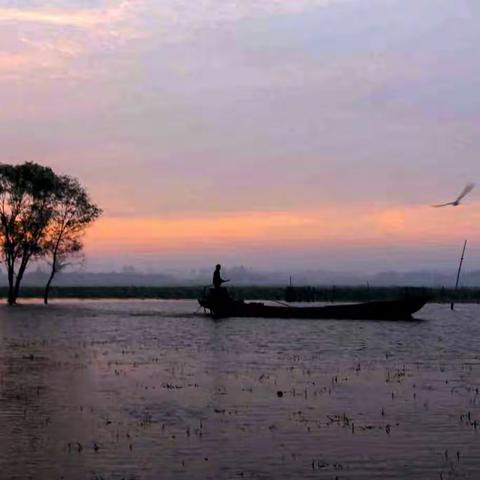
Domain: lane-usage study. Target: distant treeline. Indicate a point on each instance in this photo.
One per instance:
(290, 294)
(166, 293)
(365, 293)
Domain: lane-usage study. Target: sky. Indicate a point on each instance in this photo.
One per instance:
(275, 134)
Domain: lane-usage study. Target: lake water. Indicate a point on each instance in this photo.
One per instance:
(149, 390)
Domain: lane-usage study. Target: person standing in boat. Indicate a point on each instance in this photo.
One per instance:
(217, 278)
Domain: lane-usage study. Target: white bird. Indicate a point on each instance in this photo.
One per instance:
(468, 188)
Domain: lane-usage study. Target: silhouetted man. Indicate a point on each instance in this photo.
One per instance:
(217, 279)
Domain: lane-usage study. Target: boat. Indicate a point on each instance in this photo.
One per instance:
(219, 304)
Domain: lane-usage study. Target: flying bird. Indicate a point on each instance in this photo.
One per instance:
(468, 188)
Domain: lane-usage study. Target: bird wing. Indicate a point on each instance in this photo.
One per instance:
(468, 188)
(443, 204)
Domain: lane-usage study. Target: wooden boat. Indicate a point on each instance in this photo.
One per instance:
(220, 305)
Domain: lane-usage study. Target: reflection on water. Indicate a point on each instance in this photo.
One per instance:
(147, 390)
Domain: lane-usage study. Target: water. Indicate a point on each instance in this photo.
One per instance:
(148, 390)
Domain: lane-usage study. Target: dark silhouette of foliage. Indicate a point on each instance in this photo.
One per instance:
(41, 215)
(28, 193)
(72, 214)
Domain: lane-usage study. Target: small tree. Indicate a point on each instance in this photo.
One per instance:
(28, 193)
(72, 214)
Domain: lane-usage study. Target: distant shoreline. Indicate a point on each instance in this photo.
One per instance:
(319, 293)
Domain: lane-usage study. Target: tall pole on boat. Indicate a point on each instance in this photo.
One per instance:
(459, 270)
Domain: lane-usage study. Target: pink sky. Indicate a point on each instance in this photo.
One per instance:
(265, 133)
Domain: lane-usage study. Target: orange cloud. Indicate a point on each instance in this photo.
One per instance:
(77, 19)
(11, 61)
(330, 227)
(66, 17)
(118, 233)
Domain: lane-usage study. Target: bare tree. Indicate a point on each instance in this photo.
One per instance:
(28, 193)
(72, 214)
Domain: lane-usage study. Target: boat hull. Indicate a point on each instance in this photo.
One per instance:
(221, 306)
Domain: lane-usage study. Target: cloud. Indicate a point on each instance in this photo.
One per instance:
(48, 40)
(80, 18)
(213, 11)
(351, 237)
(173, 12)
(71, 31)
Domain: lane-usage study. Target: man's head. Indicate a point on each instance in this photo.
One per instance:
(218, 267)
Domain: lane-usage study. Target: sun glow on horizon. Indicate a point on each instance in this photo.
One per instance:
(330, 227)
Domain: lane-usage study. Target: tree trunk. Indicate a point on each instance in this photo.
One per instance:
(47, 287)
(16, 289)
(11, 286)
